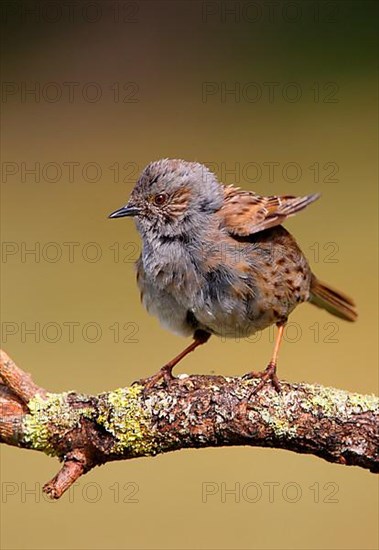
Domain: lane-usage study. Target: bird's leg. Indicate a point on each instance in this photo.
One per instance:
(270, 372)
(200, 337)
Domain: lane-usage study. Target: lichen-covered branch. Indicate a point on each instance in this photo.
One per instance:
(85, 431)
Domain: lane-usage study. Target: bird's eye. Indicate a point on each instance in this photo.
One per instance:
(160, 199)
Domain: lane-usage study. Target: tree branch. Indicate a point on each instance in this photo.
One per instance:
(85, 431)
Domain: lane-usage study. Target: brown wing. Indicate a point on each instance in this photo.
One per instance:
(245, 212)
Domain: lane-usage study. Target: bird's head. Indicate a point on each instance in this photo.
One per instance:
(171, 197)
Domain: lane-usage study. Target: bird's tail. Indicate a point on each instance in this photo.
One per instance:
(334, 301)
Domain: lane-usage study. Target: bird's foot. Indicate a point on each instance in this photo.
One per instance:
(165, 374)
(269, 374)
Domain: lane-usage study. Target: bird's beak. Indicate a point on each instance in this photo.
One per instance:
(126, 210)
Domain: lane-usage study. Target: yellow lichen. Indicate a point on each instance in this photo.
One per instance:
(333, 402)
(123, 416)
(52, 410)
(120, 412)
(327, 402)
(364, 403)
(280, 425)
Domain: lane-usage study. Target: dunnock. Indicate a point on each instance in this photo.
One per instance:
(216, 260)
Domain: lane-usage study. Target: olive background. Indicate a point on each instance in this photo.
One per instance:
(155, 79)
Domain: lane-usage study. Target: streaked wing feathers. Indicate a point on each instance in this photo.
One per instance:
(245, 212)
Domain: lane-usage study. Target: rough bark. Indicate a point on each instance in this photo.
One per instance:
(84, 431)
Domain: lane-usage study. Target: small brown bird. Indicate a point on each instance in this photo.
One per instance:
(216, 260)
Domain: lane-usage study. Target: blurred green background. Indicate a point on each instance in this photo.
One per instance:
(279, 97)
